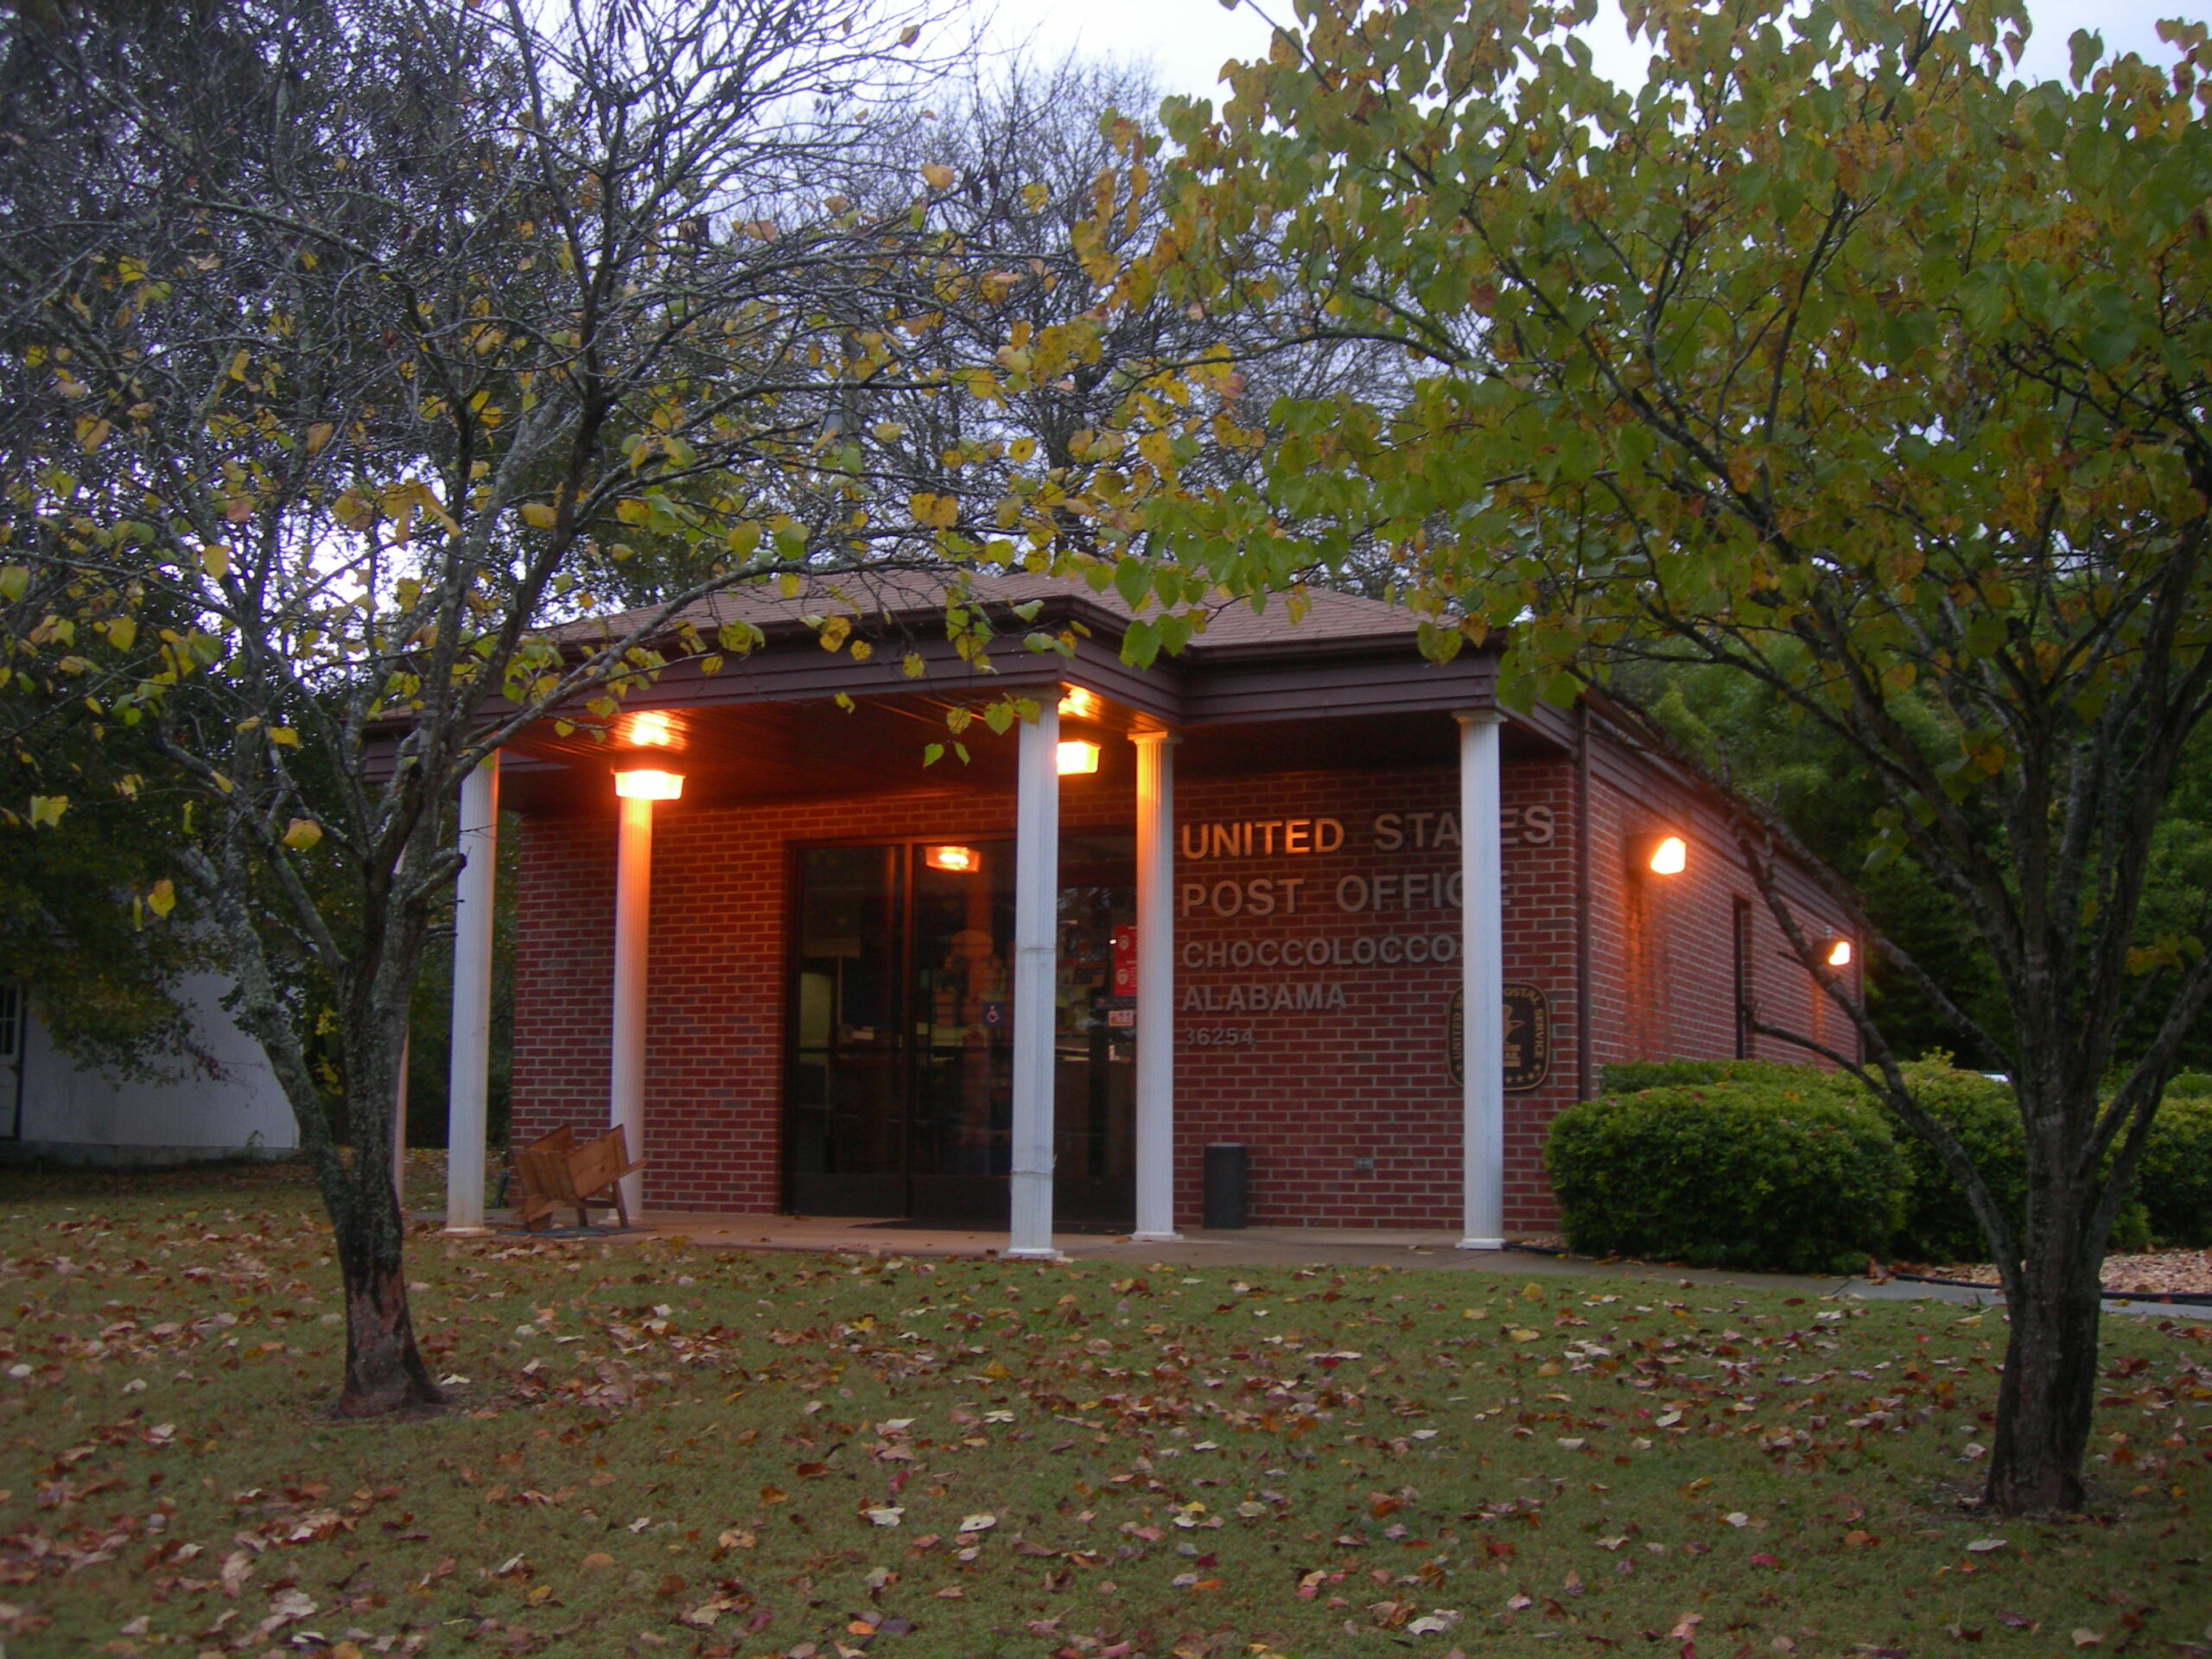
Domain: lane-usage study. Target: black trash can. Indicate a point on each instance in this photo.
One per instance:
(1228, 1170)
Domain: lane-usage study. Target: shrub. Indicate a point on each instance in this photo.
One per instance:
(2176, 1178)
(1632, 1077)
(1792, 1175)
(1939, 1226)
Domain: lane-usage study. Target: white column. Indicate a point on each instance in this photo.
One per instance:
(469, 1080)
(633, 896)
(1155, 988)
(1036, 971)
(1481, 963)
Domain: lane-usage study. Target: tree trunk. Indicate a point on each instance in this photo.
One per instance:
(2044, 1400)
(385, 1370)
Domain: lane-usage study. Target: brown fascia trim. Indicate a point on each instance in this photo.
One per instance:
(1201, 674)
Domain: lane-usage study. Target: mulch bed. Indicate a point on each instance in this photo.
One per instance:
(2143, 1273)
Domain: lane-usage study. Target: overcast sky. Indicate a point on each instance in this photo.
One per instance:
(1187, 42)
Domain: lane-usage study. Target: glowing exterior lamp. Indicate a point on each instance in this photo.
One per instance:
(1664, 853)
(1077, 757)
(1080, 704)
(1839, 952)
(960, 861)
(651, 730)
(647, 785)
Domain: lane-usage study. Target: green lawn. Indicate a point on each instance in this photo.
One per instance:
(659, 1450)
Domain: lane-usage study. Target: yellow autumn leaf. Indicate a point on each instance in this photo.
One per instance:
(937, 511)
(284, 736)
(216, 561)
(538, 515)
(940, 176)
(319, 436)
(163, 899)
(301, 834)
(122, 631)
(47, 810)
(91, 433)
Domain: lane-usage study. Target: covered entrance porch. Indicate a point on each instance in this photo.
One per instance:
(811, 969)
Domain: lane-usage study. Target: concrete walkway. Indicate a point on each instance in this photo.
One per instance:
(1274, 1247)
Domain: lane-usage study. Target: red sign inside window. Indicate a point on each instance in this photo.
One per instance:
(1125, 961)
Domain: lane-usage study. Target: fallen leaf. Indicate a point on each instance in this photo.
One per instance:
(288, 1606)
(979, 1523)
(1686, 1627)
(1983, 1546)
(2087, 1638)
(597, 1559)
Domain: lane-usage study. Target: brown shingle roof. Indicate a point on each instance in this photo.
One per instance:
(910, 596)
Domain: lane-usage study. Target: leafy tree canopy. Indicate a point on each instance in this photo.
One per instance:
(1837, 360)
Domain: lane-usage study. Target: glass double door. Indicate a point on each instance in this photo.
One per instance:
(899, 1098)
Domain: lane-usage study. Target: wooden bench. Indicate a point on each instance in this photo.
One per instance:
(561, 1171)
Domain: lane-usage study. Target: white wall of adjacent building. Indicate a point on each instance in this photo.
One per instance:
(226, 1102)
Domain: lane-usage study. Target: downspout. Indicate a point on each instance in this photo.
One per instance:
(1584, 1077)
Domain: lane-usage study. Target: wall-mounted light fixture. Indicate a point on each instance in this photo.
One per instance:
(1077, 757)
(1838, 955)
(1079, 703)
(648, 784)
(1663, 853)
(960, 861)
(651, 730)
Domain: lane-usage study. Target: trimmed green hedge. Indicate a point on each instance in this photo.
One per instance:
(1729, 1173)
(1939, 1227)
(1633, 1077)
(2176, 1178)
(1744, 1163)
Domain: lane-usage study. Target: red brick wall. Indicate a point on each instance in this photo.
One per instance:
(1662, 949)
(1315, 1092)
(1318, 1094)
